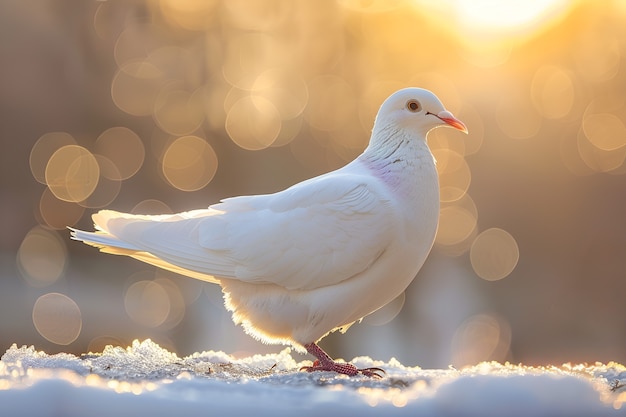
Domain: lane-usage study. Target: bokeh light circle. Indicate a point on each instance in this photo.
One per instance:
(135, 88)
(177, 111)
(600, 160)
(552, 92)
(481, 337)
(97, 344)
(124, 148)
(72, 173)
(147, 303)
(43, 149)
(176, 301)
(605, 131)
(189, 163)
(475, 121)
(58, 214)
(456, 224)
(284, 89)
(42, 257)
(454, 174)
(253, 123)
(108, 187)
(289, 130)
(57, 318)
(494, 254)
(245, 57)
(151, 206)
(136, 41)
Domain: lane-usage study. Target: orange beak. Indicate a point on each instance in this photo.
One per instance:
(448, 118)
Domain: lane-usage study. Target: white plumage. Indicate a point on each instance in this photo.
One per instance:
(317, 256)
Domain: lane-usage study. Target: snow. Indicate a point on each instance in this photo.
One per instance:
(145, 378)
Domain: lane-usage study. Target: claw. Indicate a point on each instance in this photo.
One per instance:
(373, 372)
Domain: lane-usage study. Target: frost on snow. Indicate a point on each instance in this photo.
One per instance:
(145, 378)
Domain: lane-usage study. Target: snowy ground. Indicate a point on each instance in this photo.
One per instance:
(148, 379)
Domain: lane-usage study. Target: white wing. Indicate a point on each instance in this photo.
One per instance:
(314, 234)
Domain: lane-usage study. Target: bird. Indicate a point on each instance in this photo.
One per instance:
(318, 256)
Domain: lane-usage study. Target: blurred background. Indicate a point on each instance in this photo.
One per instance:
(156, 106)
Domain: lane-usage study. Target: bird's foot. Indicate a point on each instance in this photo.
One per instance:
(325, 363)
(344, 368)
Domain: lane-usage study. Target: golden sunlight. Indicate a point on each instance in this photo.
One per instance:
(490, 28)
(500, 18)
(507, 16)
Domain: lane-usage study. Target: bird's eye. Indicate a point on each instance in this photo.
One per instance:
(413, 106)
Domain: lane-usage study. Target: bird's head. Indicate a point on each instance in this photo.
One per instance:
(418, 110)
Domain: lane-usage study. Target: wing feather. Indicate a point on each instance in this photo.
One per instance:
(312, 235)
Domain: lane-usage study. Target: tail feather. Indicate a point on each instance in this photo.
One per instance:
(108, 222)
(100, 240)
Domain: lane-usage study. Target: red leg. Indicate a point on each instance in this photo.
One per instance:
(325, 363)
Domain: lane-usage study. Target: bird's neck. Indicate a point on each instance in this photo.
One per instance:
(399, 158)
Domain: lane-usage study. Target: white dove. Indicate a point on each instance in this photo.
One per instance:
(300, 263)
